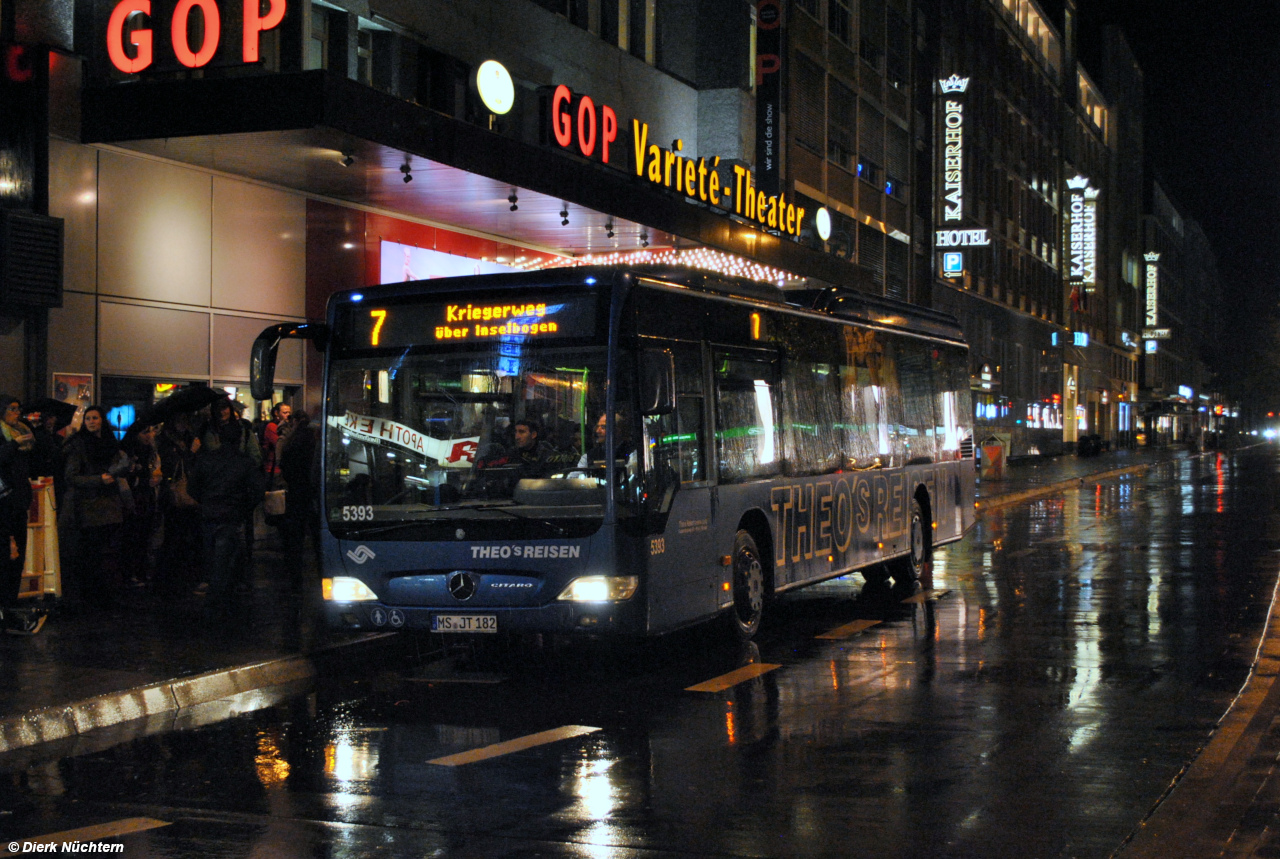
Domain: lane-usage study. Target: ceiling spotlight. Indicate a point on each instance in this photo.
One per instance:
(608, 228)
(347, 159)
(644, 239)
(564, 215)
(512, 200)
(407, 170)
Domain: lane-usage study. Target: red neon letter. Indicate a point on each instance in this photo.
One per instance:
(140, 39)
(560, 122)
(586, 110)
(16, 66)
(212, 31)
(767, 64)
(610, 131)
(254, 24)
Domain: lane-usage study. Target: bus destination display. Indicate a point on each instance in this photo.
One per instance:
(502, 320)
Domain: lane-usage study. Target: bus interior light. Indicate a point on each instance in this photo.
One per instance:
(600, 589)
(345, 589)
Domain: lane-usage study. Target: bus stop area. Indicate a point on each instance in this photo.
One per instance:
(101, 677)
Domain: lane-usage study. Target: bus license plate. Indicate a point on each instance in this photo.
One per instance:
(464, 623)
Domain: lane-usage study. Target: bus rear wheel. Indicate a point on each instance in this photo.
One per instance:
(906, 570)
(748, 587)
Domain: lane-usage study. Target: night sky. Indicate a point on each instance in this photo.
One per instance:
(1212, 72)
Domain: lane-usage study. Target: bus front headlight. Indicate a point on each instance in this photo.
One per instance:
(600, 588)
(345, 589)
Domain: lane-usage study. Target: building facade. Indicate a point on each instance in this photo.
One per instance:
(210, 169)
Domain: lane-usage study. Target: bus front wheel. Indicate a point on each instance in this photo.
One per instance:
(906, 570)
(748, 587)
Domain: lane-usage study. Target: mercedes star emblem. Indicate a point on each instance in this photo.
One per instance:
(462, 585)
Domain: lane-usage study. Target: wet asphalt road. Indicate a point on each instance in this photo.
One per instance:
(1068, 660)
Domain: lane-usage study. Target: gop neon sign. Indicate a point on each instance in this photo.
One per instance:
(140, 51)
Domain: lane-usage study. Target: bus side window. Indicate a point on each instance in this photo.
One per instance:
(678, 440)
(747, 437)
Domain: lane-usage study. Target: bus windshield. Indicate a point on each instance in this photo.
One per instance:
(477, 443)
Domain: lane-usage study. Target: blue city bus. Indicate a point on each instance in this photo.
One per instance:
(626, 451)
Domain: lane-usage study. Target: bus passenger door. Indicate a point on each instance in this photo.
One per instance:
(682, 580)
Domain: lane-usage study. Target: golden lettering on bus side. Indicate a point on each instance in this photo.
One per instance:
(780, 502)
(897, 504)
(802, 544)
(822, 538)
(844, 515)
(880, 503)
(862, 495)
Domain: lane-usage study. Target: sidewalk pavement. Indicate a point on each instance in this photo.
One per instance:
(94, 679)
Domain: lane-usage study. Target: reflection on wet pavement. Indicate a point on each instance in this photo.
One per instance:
(1082, 651)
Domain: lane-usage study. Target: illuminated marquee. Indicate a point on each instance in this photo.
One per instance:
(462, 321)
(521, 320)
(1082, 212)
(953, 149)
(1153, 290)
(961, 238)
(139, 53)
(589, 129)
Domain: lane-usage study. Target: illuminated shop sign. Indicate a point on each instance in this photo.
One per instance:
(1082, 214)
(190, 30)
(1157, 333)
(1153, 290)
(579, 125)
(952, 264)
(961, 238)
(953, 147)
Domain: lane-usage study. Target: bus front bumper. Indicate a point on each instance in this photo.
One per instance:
(559, 617)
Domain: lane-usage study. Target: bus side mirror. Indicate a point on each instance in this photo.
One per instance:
(262, 358)
(657, 382)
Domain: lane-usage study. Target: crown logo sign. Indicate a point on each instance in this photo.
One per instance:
(1092, 193)
(955, 83)
(1151, 257)
(1078, 183)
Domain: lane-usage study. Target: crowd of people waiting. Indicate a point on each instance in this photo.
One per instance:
(169, 507)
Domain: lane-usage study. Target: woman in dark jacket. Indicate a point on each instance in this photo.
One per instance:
(16, 443)
(94, 465)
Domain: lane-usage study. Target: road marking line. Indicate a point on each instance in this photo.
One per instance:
(848, 630)
(114, 829)
(519, 744)
(927, 596)
(733, 678)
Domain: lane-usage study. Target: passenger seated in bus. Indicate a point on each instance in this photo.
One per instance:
(592, 463)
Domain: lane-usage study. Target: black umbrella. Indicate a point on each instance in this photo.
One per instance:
(187, 399)
(64, 412)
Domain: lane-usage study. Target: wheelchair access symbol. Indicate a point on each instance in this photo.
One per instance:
(361, 554)
(396, 618)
